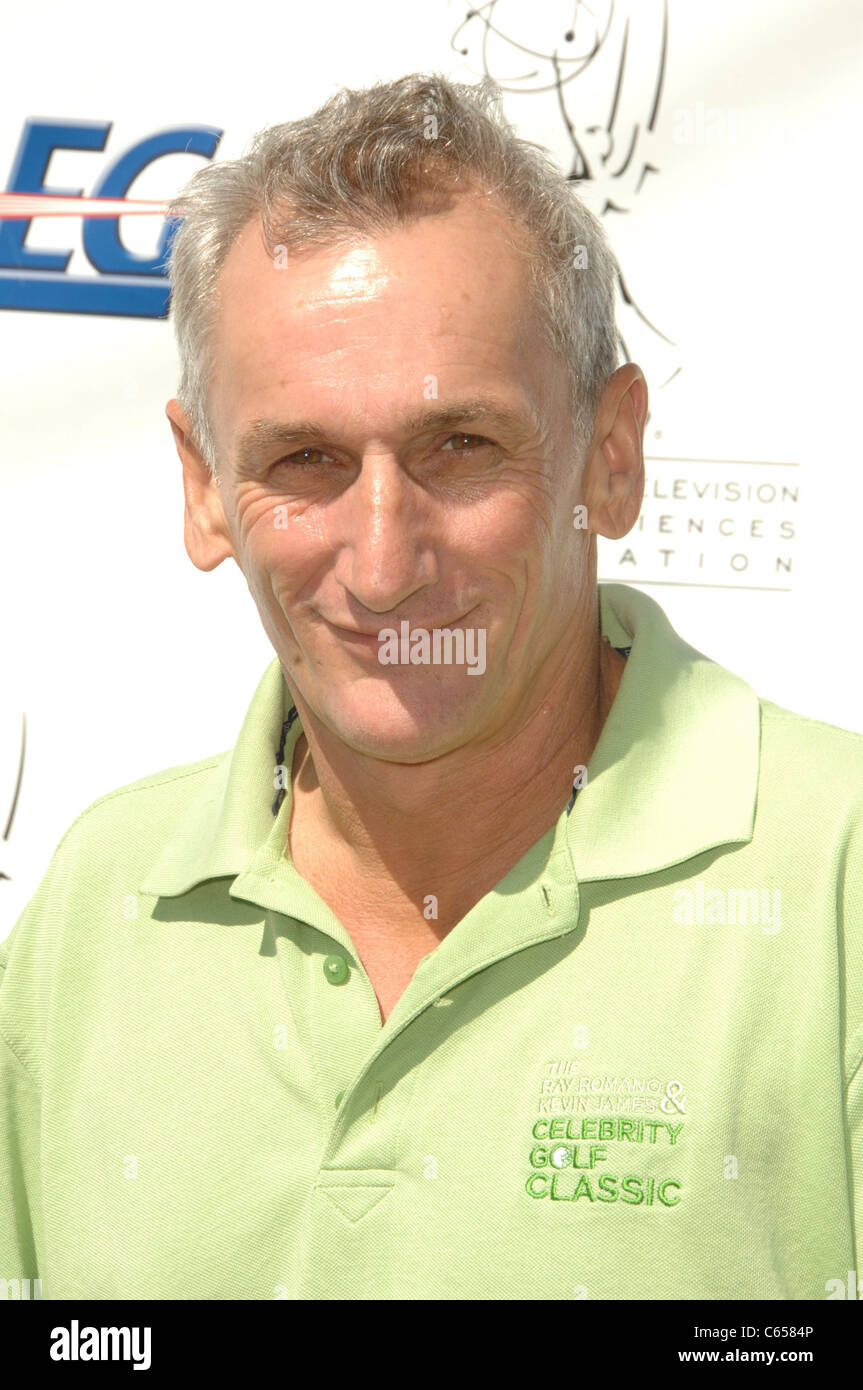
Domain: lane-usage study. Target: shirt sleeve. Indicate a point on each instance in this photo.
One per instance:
(28, 958)
(19, 1158)
(851, 943)
(854, 1130)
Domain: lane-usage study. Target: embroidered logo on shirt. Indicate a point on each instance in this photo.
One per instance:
(586, 1141)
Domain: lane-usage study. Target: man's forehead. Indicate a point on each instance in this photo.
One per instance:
(445, 294)
(475, 236)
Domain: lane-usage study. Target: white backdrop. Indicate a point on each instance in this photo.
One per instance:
(736, 220)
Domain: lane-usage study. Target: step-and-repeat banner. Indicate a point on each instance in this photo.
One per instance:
(718, 139)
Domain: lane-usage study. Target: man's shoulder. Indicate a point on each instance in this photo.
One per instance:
(88, 887)
(787, 729)
(812, 763)
(115, 837)
(169, 788)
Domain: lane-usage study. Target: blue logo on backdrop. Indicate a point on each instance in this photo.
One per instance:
(125, 284)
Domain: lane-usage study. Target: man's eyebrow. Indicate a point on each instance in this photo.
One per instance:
(264, 433)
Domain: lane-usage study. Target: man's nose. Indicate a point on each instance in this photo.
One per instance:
(384, 535)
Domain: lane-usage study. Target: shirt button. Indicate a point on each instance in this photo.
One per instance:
(336, 969)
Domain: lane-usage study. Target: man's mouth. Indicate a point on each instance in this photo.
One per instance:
(354, 634)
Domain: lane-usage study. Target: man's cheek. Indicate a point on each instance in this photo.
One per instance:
(251, 505)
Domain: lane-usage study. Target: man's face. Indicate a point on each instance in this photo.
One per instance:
(373, 511)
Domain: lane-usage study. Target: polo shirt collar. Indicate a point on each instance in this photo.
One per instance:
(674, 773)
(218, 834)
(675, 770)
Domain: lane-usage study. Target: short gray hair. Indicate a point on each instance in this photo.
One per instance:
(369, 160)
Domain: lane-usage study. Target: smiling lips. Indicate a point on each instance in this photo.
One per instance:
(360, 632)
(355, 632)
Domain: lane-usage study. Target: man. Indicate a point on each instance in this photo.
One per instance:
(513, 979)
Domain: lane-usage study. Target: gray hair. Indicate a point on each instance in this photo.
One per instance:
(369, 160)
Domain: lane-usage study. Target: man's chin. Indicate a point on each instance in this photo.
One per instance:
(390, 728)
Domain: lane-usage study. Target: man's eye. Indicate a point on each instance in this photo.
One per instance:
(461, 435)
(464, 444)
(301, 457)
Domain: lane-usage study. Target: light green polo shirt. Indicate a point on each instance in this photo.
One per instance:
(631, 1071)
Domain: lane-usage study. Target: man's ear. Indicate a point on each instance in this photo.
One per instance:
(205, 530)
(613, 480)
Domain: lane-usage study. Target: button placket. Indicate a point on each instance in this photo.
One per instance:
(370, 1140)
